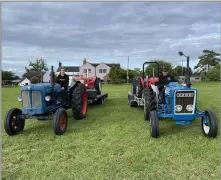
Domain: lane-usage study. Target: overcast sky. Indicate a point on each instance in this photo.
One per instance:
(107, 32)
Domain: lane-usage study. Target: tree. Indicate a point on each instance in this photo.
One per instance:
(162, 65)
(212, 75)
(8, 75)
(114, 75)
(35, 80)
(181, 71)
(37, 66)
(208, 60)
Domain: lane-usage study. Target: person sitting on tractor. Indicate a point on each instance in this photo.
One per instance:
(164, 79)
(63, 79)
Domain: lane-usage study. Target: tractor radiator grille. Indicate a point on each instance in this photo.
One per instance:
(36, 99)
(184, 98)
(25, 99)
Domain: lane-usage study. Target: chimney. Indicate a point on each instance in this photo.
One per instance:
(84, 61)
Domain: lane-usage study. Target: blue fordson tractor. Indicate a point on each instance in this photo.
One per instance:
(47, 101)
(180, 103)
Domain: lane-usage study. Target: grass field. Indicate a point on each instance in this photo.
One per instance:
(113, 143)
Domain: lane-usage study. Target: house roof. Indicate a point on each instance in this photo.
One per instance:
(32, 74)
(108, 64)
(17, 81)
(70, 68)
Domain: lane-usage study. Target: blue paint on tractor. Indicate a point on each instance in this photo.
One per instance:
(34, 102)
(168, 110)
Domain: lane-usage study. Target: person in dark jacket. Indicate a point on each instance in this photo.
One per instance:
(63, 79)
(164, 79)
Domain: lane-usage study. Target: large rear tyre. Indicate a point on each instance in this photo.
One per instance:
(154, 124)
(149, 102)
(134, 84)
(12, 123)
(79, 102)
(60, 120)
(139, 88)
(209, 124)
(97, 85)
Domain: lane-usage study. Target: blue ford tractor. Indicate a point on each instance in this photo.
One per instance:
(47, 101)
(180, 103)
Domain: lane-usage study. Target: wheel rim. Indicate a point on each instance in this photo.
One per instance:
(14, 123)
(84, 106)
(62, 122)
(206, 125)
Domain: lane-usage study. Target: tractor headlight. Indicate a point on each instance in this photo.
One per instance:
(178, 108)
(19, 99)
(47, 98)
(189, 107)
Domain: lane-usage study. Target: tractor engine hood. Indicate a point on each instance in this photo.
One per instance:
(41, 87)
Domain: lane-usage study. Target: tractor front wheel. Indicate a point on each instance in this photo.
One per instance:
(60, 120)
(209, 124)
(149, 102)
(13, 124)
(154, 124)
(97, 85)
(79, 102)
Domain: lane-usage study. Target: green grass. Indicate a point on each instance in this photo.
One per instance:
(113, 143)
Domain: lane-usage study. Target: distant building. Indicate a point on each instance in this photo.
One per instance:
(100, 70)
(25, 82)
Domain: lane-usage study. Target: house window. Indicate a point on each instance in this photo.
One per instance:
(100, 70)
(89, 70)
(104, 70)
(85, 70)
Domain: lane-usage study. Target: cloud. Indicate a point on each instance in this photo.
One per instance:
(108, 31)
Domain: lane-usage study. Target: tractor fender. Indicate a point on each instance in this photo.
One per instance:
(156, 90)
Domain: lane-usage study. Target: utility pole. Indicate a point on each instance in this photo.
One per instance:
(127, 69)
(41, 70)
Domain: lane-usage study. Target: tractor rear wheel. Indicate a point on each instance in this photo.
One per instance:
(139, 88)
(79, 102)
(60, 120)
(149, 102)
(97, 85)
(134, 85)
(154, 124)
(14, 125)
(209, 124)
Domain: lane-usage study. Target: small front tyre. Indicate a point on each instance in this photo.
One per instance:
(154, 124)
(13, 124)
(209, 124)
(60, 120)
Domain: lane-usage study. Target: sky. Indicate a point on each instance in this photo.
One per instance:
(107, 32)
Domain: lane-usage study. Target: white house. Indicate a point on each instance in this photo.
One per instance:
(24, 82)
(46, 77)
(100, 70)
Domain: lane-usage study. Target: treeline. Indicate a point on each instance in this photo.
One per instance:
(208, 68)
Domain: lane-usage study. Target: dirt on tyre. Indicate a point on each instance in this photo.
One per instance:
(154, 124)
(12, 123)
(60, 120)
(97, 85)
(79, 102)
(149, 102)
(209, 124)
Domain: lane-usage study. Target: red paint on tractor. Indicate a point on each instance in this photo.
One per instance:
(87, 81)
(84, 99)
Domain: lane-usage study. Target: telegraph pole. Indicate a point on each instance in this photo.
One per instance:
(127, 69)
(182, 67)
(41, 70)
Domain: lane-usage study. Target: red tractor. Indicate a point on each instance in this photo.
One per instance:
(93, 88)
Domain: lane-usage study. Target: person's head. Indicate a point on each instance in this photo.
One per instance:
(62, 71)
(164, 72)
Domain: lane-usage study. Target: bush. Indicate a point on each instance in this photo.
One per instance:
(35, 80)
(212, 75)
